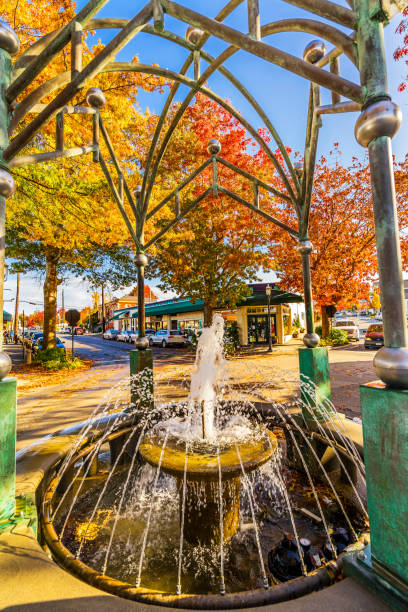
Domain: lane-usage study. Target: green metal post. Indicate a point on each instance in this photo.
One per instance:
(384, 406)
(9, 46)
(8, 395)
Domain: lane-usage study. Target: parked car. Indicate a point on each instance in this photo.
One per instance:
(134, 334)
(163, 337)
(111, 334)
(349, 326)
(374, 337)
(78, 331)
(37, 345)
(32, 338)
(66, 330)
(125, 335)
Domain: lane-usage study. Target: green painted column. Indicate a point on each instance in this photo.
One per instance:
(8, 399)
(141, 371)
(385, 431)
(315, 387)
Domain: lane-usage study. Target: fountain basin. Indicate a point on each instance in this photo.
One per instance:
(212, 480)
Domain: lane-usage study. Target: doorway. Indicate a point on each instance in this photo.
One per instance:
(258, 328)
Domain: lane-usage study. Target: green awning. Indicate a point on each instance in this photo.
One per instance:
(6, 316)
(180, 305)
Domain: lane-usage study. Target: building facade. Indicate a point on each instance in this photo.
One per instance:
(126, 301)
(250, 315)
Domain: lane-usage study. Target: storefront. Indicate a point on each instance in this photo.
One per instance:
(251, 315)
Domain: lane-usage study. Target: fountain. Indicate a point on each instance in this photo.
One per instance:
(218, 501)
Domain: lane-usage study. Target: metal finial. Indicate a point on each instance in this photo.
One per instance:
(7, 185)
(214, 146)
(314, 51)
(8, 39)
(299, 169)
(193, 35)
(95, 97)
(382, 118)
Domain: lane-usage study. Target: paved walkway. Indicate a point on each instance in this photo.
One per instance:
(254, 375)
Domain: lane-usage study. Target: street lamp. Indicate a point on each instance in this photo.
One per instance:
(268, 291)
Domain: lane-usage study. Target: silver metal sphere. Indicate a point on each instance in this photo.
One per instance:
(142, 343)
(311, 340)
(193, 35)
(7, 185)
(314, 51)
(5, 365)
(8, 39)
(305, 246)
(299, 169)
(391, 366)
(214, 146)
(140, 259)
(382, 118)
(95, 97)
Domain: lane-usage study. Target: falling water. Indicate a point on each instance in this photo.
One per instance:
(208, 374)
(183, 510)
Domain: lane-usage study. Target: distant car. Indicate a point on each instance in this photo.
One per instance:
(349, 326)
(125, 335)
(37, 345)
(78, 331)
(374, 337)
(134, 334)
(164, 337)
(111, 334)
(32, 338)
(66, 330)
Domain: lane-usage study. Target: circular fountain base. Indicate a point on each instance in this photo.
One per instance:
(202, 525)
(212, 475)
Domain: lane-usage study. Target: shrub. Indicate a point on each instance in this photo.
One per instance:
(337, 337)
(296, 322)
(318, 330)
(56, 359)
(231, 337)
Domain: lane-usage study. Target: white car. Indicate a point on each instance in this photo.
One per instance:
(125, 335)
(164, 337)
(349, 326)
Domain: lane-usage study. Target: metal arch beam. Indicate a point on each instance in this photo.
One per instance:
(96, 65)
(56, 44)
(220, 17)
(271, 54)
(179, 217)
(135, 67)
(343, 42)
(180, 112)
(328, 10)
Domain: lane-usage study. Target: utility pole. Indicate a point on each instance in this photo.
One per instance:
(16, 308)
(103, 308)
(63, 307)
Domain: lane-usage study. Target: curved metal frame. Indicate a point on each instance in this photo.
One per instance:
(298, 193)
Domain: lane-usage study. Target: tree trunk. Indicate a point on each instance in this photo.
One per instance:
(50, 299)
(325, 323)
(208, 313)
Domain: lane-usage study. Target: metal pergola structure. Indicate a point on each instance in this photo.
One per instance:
(297, 181)
(354, 31)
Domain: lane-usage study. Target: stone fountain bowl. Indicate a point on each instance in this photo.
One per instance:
(322, 577)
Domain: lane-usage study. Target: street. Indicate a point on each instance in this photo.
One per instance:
(107, 352)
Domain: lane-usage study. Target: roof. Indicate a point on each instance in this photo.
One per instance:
(6, 316)
(180, 305)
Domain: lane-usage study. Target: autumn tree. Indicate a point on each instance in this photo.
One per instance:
(218, 248)
(342, 231)
(62, 211)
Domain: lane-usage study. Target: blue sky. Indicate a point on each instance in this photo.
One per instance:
(283, 95)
